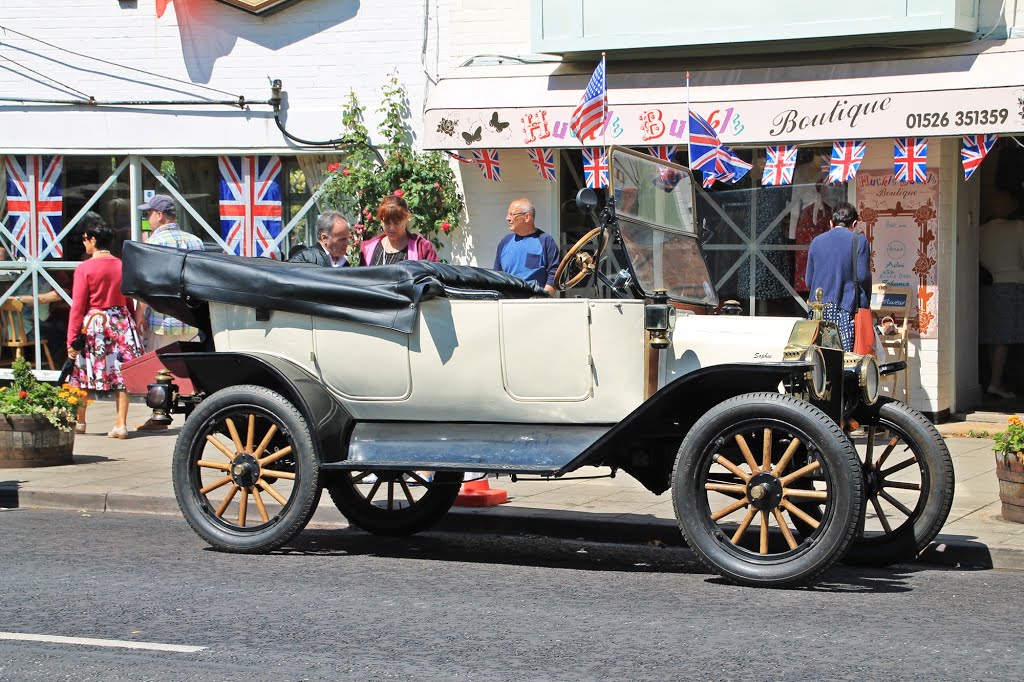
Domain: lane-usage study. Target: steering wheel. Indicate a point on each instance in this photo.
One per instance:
(578, 263)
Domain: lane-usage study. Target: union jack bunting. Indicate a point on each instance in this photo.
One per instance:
(704, 144)
(778, 166)
(846, 158)
(590, 112)
(910, 159)
(973, 152)
(487, 159)
(250, 204)
(459, 158)
(664, 153)
(544, 161)
(709, 180)
(34, 203)
(730, 168)
(595, 167)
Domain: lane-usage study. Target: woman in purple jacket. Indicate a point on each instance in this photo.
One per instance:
(845, 280)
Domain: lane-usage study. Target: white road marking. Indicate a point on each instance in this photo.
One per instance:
(89, 641)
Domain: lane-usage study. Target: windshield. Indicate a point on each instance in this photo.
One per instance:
(654, 204)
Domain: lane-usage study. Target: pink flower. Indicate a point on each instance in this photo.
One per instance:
(399, 193)
(332, 167)
(446, 227)
(437, 185)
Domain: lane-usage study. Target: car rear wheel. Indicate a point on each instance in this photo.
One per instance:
(245, 470)
(394, 502)
(747, 471)
(908, 485)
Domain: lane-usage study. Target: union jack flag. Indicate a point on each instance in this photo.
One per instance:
(544, 161)
(459, 157)
(664, 153)
(910, 159)
(704, 144)
(973, 152)
(730, 168)
(779, 165)
(590, 112)
(35, 204)
(595, 167)
(709, 180)
(250, 204)
(846, 158)
(487, 159)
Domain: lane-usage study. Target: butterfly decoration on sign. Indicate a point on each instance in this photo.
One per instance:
(475, 136)
(447, 126)
(499, 126)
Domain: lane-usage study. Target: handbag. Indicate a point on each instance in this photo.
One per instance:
(863, 319)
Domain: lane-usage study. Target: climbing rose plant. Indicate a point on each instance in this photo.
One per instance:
(424, 179)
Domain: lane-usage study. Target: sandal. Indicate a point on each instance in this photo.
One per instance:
(120, 432)
(80, 427)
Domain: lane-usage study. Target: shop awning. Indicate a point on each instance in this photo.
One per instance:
(961, 90)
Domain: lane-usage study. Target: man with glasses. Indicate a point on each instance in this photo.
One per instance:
(527, 252)
(159, 330)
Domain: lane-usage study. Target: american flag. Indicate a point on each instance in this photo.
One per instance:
(910, 159)
(590, 112)
(973, 152)
(544, 161)
(779, 165)
(595, 167)
(846, 158)
(487, 159)
(664, 153)
(250, 204)
(35, 204)
(704, 144)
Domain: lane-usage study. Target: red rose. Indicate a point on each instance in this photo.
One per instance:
(332, 167)
(446, 227)
(437, 185)
(346, 172)
(399, 193)
(22, 394)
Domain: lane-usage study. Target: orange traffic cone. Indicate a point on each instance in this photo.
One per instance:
(479, 494)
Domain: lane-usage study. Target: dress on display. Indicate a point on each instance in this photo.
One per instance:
(814, 220)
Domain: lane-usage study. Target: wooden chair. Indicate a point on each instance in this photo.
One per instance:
(888, 300)
(12, 332)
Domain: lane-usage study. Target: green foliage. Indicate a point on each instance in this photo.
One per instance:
(971, 433)
(423, 179)
(27, 395)
(1011, 441)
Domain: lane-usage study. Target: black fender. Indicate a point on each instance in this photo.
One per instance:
(330, 421)
(668, 415)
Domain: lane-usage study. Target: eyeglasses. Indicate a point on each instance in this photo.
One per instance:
(513, 215)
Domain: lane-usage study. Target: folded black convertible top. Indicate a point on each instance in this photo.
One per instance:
(181, 283)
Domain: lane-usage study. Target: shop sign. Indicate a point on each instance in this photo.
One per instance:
(750, 122)
(901, 224)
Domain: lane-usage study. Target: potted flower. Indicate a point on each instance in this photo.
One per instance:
(1009, 448)
(36, 420)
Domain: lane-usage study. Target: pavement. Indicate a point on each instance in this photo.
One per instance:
(134, 476)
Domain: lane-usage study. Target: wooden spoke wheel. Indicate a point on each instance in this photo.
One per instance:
(245, 470)
(394, 502)
(908, 484)
(748, 474)
(581, 259)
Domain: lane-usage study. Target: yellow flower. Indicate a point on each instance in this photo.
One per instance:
(73, 400)
(1015, 420)
(62, 395)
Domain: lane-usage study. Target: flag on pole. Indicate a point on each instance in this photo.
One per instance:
(704, 144)
(589, 114)
(35, 204)
(487, 159)
(973, 152)
(846, 158)
(778, 166)
(544, 161)
(664, 153)
(910, 159)
(595, 167)
(250, 204)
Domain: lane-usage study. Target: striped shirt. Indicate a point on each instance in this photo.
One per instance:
(171, 235)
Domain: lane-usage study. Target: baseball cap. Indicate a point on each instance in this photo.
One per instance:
(159, 202)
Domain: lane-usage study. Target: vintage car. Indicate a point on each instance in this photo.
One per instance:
(386, 384)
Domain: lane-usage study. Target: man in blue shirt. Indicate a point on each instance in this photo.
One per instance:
(527, 252)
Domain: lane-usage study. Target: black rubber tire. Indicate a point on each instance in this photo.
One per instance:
(267, 407)
(351, 500)
(935, 468)
(821, 440)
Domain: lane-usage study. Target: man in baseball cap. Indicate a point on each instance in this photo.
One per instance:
(159, 202)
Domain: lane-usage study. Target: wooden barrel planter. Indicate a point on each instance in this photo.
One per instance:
(1010, 472)
(29, 440)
